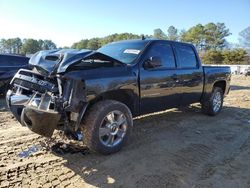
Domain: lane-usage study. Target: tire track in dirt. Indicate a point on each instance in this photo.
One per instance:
(192, 156)
(35, 172)
(223, 154)
(41, 169)
(157, 180)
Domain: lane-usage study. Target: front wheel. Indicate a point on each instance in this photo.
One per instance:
(107, 126)
(213, 105)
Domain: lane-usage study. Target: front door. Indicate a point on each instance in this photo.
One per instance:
(158, 84)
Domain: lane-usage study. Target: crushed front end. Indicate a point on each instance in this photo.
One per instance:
(45, 103)
(48, 97)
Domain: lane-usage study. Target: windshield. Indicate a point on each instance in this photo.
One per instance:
(125, 52)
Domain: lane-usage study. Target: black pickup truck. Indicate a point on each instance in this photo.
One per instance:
(93, 95)
(9, 65)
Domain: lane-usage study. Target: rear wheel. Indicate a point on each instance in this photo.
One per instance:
(107, 126)
(213, 105)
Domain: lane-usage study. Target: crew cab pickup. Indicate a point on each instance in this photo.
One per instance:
(95, 94)
(9, 65)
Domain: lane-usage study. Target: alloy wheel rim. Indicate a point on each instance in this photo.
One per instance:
(113, 128)
(217, 101)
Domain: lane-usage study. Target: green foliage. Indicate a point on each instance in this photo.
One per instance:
(212, 57)
(159, 34)
(17, 46)
(235, 56)
(215, 35)
(12, 45)
(172, 33)
(96, 43)
(30, 46)
(194, 35)
(81, 44)
(47, 45)
(205, 37)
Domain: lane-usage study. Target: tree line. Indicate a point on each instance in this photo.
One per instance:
(204, 37)
(209, 39)
(26, 46)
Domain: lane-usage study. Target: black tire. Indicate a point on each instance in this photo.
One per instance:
(208, 106)
(4, 89)
(7, 87)
(93, 122)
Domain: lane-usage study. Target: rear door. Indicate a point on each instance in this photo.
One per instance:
(189, 73)
(157, 85)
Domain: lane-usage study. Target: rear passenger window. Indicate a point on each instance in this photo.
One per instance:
(165, 52)
(186, 56)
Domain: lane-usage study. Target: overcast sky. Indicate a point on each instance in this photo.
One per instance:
(66, 22)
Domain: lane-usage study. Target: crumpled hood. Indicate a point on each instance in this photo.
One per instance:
(57, 61)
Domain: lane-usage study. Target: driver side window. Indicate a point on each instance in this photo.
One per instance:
(164, 52)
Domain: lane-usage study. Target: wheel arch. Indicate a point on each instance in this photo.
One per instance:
(221, 84)
(125, 96)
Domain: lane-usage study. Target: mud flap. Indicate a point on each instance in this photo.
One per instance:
(40, 121)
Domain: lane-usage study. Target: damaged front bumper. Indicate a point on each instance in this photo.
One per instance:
(40, 121)
(34, 112)
(44, 105)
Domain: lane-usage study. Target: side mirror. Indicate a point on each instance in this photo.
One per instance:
(153, 62)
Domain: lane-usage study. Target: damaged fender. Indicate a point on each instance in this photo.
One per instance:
(53, 95)
(42, 105)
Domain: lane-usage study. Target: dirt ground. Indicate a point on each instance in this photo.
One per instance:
(176, 148)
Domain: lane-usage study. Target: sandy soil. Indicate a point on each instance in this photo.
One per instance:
(176, 148)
